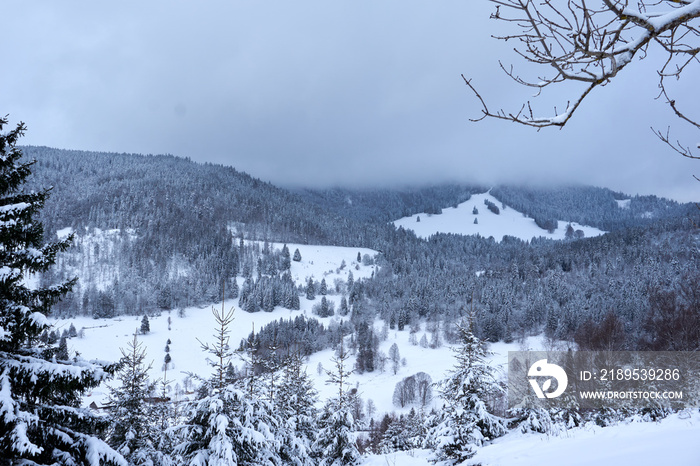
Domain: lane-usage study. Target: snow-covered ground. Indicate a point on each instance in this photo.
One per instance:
(460, 220)
(671, 441)
(327, 262)
(103, 338)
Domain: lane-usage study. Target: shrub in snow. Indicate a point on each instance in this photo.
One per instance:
(532, 418)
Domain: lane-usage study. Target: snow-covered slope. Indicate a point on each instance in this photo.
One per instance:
(103, 338)
(460, 220)
(671, 441)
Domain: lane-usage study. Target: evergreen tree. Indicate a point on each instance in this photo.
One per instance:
(297, 256)
(325, 308)
(52, 338)
(286, 262)
(569, 234)
(323, 289)
(40, 418)
(268, 304)
(310, 290)
(344, 310)
(366, 348)
(226, 426)
(145, 325)
(131, 432)
(62, 352)
(335, 444)
(296, 405)
(466, 422)
(220, 350)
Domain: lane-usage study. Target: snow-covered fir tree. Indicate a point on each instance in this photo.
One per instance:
(310, 289)
(465, 421)
(41, 421)
(285, 261)
(132, 432)
(406, 432)
(62, 352)
(145, 325)
(335, 444)
(295, 404)
(228, 426)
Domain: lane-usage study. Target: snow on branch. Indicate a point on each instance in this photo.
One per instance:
(590, 42)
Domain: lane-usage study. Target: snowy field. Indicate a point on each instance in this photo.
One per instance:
(460, 220)
(672, 441)
(103, 338)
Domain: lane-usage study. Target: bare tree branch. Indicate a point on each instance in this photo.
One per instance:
(591, 44)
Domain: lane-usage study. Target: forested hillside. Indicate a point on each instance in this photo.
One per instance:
(599, 207)
(386, 205)
(160, 232)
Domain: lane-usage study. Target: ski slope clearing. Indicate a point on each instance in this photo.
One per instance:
(460, 220)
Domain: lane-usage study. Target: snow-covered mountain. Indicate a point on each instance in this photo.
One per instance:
(465, 220)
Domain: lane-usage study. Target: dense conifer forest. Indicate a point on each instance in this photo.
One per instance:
(180, 226)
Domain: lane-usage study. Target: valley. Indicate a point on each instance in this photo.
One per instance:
(384, 278)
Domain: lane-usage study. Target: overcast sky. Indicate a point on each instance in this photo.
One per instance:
(323, 93)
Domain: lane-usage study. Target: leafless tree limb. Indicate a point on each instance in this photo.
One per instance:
(591, 41)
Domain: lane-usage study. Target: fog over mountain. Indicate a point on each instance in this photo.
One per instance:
(315, 94)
